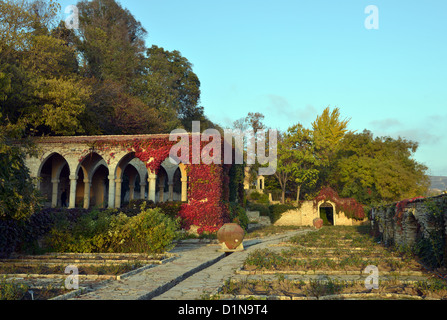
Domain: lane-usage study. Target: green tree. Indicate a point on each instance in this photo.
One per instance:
(382, 169)
(111, 110)
(169, 84)
(328, 131)
(330, 128)
(40, 87)
(111, 41)
(18, 197)
(296, 159)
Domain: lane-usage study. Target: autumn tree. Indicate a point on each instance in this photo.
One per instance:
(328, 131)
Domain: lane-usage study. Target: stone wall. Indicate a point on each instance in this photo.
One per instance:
(418, 219)
(305, 215)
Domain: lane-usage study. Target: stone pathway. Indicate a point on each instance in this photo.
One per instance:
(199, 269)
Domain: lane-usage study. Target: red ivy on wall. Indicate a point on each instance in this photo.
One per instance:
(349, 206)
(208, 185)
(400, 209)
(207, 207)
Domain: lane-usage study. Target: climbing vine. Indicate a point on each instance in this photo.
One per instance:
(209, 185)
(207, 207)
(400, 210)
(349, 206)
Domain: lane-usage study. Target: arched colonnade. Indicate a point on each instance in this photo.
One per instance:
(102, 179)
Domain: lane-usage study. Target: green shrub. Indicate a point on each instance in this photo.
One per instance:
(12, 290)
(262, 208)
(238, 215)
(259, 197)
(276, 211)
(171, 209)
(150, 231)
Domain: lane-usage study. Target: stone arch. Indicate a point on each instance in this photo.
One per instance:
(327, 211)
(131, 183)
(177, 185)
(53, 173)
(162, 185)
(99, 186)
(141, 174)
(173, 172)
(82, 180)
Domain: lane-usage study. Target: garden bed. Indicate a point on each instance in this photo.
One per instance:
(284, 289)
(335, 253)
(20, 274)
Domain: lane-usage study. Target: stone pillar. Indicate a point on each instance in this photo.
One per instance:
(142, 190)
(87, 187)
(55, 193)
(118, 183)
(171, 191)
(152, 185)
(161, 191)
(184, 189)
(73, 183)
(132, 188)
(112, 192)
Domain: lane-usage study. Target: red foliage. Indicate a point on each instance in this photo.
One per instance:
(400, 209)
(208, 184)
(351, 208)
(206, 207)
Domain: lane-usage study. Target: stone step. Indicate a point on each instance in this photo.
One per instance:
(253, 215)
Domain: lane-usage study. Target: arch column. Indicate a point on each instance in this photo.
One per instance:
(152, 185)
(87, 188)
(118, 183)
(184, 189)
(73, 183)
(132, 187)
(55, 193)
(171, 191)
(161, 191)
(143, 190)
(111, 202)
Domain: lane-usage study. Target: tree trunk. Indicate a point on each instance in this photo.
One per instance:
(283, 196)
(298, 195)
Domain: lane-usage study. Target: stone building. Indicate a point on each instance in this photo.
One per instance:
(308, 212)
(104, 174)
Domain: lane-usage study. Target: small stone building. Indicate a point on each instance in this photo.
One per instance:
(308, 212)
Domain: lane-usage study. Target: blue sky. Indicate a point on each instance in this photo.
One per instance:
(290, 59)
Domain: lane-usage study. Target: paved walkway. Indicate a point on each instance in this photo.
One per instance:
(199, 269)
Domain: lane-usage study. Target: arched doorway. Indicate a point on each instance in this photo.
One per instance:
(90, 188)
(162, 191)
(130, 184)
(99, 195)
(327, 213)
(177, 186)
(54, 176)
